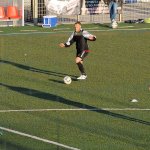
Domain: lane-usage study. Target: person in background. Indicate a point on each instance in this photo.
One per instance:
(113, 11)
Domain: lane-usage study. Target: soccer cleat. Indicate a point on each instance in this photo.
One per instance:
(82, 77)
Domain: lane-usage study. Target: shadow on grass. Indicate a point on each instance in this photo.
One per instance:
(33, 69)
(55, 98)
(61, 82)
(56, 81)
(7, 145)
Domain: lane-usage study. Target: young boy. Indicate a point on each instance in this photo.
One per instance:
(80, 36)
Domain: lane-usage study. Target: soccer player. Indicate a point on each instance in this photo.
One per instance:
(80, 37)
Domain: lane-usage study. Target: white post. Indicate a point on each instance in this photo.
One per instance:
(22, 12)
(83, 9)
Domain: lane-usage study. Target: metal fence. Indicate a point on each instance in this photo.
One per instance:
(137, 10)
(28, 11)
(130, 10)
(34, 10)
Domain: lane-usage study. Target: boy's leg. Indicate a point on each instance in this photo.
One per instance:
(79, 63)
(81, 68)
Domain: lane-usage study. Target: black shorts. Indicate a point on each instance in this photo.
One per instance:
(83, 54)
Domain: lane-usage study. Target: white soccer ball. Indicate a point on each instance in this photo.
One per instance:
(114, 25)
(67, 80)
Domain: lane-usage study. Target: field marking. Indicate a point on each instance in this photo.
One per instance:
(91, 28)
(122, 29)
(59, 29)
(28, 30)
(74, 109)
(53, 32)
(125, 27)
(37, 138)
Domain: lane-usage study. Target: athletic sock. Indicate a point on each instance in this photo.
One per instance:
(81, 68)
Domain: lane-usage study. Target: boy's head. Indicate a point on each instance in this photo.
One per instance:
(78, 22)
(77, 26)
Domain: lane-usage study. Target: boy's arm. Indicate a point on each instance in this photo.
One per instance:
(69, 42)
(89, 36)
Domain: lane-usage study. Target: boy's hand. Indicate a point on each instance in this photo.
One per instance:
(92, 38)
(62, 45)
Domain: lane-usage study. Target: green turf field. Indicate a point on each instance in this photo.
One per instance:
(96, 114)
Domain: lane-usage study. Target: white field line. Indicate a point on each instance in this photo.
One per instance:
(125, 27)
(78, 109)
(37, 138)
(59, 29)
(122, 29)
(91, 28)
(28, 30)
(94, 30)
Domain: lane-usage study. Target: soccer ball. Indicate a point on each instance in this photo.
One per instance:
(67, 80)
(114, 25)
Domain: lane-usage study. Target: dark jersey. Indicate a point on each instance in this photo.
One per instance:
(80, 38)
